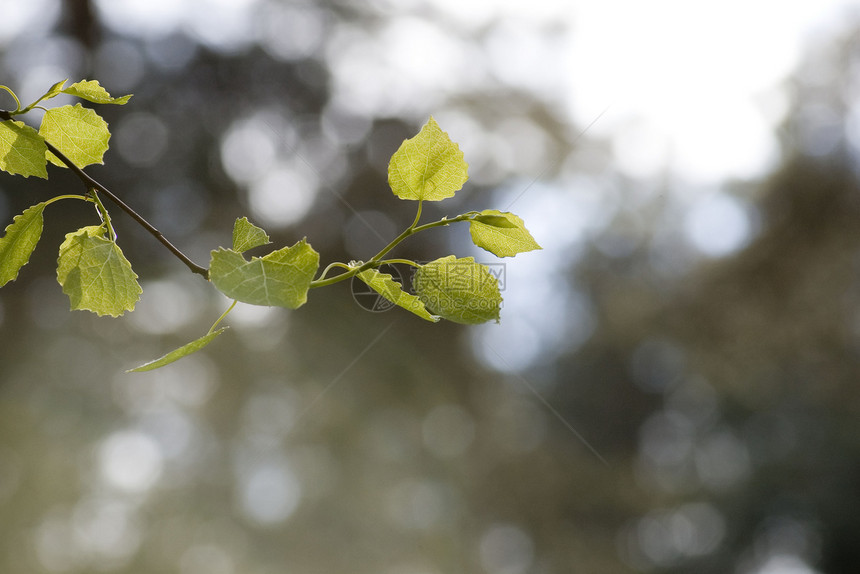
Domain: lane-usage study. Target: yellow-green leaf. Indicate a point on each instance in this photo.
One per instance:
(428, 166)
(246, 235)
(95, 274)
(22, 150)
(179, 353)
(53, 91)
(501, 233)
(20, 240)
(487, 217)
(80, 133)
(385, 285)
(281, 278)
(459, 290)
(90, 90)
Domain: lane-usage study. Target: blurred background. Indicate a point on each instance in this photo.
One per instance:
(675, 383)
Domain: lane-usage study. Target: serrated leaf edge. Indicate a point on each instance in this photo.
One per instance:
(15, 220)
(97, 232)
(522, 243)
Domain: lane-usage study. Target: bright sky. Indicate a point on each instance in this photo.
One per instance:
(694, 84)
(688, 86)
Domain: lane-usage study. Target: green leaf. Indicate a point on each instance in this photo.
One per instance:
(179, 353)
(20, 240)
(22, 150)
(281, 278)
(90, 90)
(459, 290)
(494, 220)
(502, 234)
(428, 166)
(95, 274)
(54, 90)
(385, 285)
(80, 133)
(246, 236)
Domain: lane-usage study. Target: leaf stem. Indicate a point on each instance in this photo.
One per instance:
(343, 276)
(401, 261)
(59, 197)
(92, 183)
(417, 215)
(103, 214)
(335, 264)
(443, 222)
(376, 260)
(17, 101)
(221, 318)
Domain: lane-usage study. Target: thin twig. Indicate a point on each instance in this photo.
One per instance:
(91, 183)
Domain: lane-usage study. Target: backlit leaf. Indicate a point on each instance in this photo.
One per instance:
(22, 150)
(90, 90)
(246, 235)
(502, 234)
(80, 133)
(487, 218)
(385, 285)
(95, 274)
(179, 353)
(459, 290)
(281, 278)
(428, 166)
(20, 240)
(53, 91)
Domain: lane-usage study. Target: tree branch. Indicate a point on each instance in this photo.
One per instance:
(92, 183)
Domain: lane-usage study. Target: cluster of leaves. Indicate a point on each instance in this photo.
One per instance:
(96, 276)
(80, 133)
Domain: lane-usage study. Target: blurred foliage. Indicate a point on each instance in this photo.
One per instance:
(721, 393)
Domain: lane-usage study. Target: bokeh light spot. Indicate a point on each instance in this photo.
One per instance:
(33, 16)
(718, 225)
(166, 306)
(120, 65)
(141, 138)
(666, 537)
(506, 549)
(292, 32)
(107, 530)
(250, 146)
(284, 195)
(269, 492)
(130, 461)
(416, 504)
